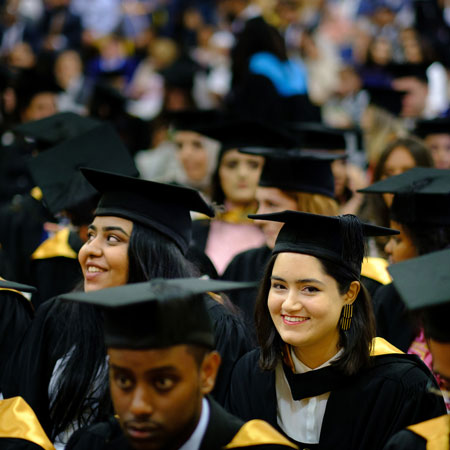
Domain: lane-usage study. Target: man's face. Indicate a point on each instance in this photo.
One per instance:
(158, 393)
(415, 99)
(441, 360)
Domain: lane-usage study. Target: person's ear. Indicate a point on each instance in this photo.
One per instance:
(352, 293)
(208, 371)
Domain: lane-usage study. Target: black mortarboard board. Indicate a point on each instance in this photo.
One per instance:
(403, 70)
(439, 125)
(290, 170)
(191, 119)
(317, 137)
(422, 195)
(5, 284)
(423, 281)
(158, 313)
(242, 133)
(57, 128)
(181, 73)
(386, 98)
(323, 236)
(56, 171)
(164, 207)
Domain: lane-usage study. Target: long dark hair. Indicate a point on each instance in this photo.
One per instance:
(151, 254)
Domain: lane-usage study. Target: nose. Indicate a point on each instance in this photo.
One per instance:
(141, 404)
(291, 303)
(92, 247)
(388, 247)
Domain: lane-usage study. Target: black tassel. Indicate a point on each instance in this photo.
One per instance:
(352, 240)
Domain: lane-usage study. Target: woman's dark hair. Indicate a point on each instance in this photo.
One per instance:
(217, 194)
(356, 342)
(79, 327)
(427, 238)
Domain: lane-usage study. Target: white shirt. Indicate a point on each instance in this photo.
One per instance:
(301, 420)
(193, 443)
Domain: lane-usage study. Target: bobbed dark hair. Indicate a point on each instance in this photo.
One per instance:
(435, 322)
(355, 342)
(79, 327)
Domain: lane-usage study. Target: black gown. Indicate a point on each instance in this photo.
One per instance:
(16, 314)
(222, 429)
(418, 437)
(362, 412)
(393, 320)
(26, 432)
(30, 369)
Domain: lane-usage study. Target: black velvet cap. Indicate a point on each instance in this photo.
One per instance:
(440, 125)
(292, 170)
(161, 206)
(424, 281)
(56, 171)
(156, 314)
(386, 98)
(6, 284)
(242, 133)
(317, 137)
(403, 70)
(323, 236)
(191, 119)
(57, 128)
(422, 195)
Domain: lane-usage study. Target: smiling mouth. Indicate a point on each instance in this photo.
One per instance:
(143, 433)
(92, 269)
(294, 320)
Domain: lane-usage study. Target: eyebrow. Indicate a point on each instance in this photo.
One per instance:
(151, 371)
(302, 280)
(110, 228)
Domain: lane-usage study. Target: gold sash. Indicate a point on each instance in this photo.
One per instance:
(57, 245)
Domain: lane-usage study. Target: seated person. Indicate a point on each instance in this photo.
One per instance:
(160, 339)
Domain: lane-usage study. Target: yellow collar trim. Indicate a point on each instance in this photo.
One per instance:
(258, 432)
(17, 420)
(382, 347)
(36, 193)
(57, 245)
(376, 269)
(434, 431)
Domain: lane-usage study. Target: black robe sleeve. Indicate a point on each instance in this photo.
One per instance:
(15, 317)
(406, 440)
(31, 366)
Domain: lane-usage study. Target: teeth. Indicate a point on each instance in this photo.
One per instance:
(93, 269)
(294, 319)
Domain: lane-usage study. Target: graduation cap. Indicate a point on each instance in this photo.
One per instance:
(56, 171)
(292, 170)
(317, 137)
(424, 281)
(387, 98)
(57, 128)
(422, 195)
(5, 284)
(181, 73)
(439, 125)
(161, 206)
(403, 70)
(327, 237)
(241, 133)
(191, 119)
(158, 313)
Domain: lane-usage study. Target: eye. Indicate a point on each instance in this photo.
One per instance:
(310, 289)
(123, 381)
(253, 164)
(113, 238)
(90, 235)
(164, 383)
(276, 285)
(231, 164)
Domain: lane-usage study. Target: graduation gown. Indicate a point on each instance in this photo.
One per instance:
(393, 320)
(432, 434)
(363, 411)
(19, 427)
(30, 369)
(16, 314)
(223, 429)
(54, 266)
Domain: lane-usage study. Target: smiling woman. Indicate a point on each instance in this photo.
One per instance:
(319, 374)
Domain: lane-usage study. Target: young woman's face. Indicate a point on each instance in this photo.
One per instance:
(239, 176)
(305, 305)
(192, 154)
(400, 160)
(272, 200)
(104, 257)
(400, 247)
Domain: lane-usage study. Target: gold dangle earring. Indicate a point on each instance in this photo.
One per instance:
(346, 317)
